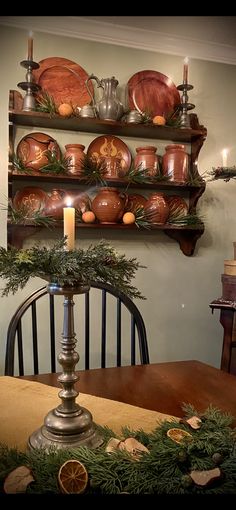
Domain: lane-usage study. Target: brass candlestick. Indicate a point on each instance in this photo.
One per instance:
(69, 425)
(29, 85)
(185, 105)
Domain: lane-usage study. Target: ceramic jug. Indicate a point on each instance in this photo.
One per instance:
(147, 159)
(74, 151)
(55, 204)
(109, 107)
(109, 205)
(175, 163)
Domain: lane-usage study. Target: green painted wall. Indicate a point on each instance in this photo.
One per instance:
(178, 289)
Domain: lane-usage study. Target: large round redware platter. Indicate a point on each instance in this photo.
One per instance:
(32, 149)
(112, 150)
(64, 80)
(31, 199)
(153, 92)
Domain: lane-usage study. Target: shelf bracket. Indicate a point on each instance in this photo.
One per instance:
(186, 238)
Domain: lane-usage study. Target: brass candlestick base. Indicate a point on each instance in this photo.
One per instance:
(69, 425)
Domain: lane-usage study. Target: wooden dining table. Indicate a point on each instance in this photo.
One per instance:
(162, 387)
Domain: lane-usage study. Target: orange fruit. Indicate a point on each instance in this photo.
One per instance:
(129, 218)
(72, 477)
(159, 120)
(88, 217)
(65, 110)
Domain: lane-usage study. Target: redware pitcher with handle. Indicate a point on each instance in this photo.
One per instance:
(109, 205)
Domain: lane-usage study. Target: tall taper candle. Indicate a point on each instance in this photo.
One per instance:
(69, 227)
(185, 71)
(224, 157)
(30, 46)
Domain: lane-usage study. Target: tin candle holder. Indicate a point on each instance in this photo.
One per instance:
(29, 85)
(185, 106)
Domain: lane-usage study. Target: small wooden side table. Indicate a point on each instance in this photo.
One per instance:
(228, 321)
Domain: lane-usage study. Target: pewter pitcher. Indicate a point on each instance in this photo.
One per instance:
(109, 107)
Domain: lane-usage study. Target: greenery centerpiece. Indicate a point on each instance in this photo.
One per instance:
(99, 263)
(194, 456)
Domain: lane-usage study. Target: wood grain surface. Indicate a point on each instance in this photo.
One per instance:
(161, 387)
(152, 92)
(64, 80)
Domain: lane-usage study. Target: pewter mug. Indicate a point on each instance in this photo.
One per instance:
(134, 117)
(87, 111)
(109, 107)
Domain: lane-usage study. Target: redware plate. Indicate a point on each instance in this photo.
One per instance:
(177, 206)
(114, 152)
(135, 201)
(64, 80)
(153, 92)
(30, 199)
(32, 149)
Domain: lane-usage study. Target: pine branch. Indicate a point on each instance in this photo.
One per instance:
(100, 263)
(56, 166)
(188, 219)
(94, 171)
(225, 173)
(141, 218)
(24, 215)
(19, 165)
(45, 103)
(137, 175)
(164, 470)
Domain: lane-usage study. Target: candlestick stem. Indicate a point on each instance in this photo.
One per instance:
(185, 105)
(29, 85)
(68, 425)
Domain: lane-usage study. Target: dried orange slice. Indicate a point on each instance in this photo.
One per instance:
(72, 477)
(178, 435)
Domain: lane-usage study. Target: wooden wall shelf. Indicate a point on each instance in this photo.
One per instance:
(38, 119)
(186, 236)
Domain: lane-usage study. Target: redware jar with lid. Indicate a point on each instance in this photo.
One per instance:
(147, 158)
(175, 163)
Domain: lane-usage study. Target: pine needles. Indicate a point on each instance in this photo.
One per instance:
(24, 215)
(225, 173)
(56, 166)
(45, 103)
(94, 171)
(164, 470)
(100, 263)
(184, 221)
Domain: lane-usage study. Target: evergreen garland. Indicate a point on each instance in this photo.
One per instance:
(223, 172)
(164, 470)
(99, 263)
